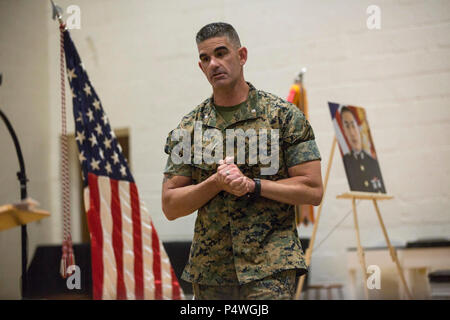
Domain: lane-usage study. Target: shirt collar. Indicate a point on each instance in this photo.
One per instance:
(251, 110)
(358, 154)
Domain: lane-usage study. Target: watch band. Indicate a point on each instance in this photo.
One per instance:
(257, 191)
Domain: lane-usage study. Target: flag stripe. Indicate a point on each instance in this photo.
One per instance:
(343, 144)
(127, 237)
(175, 286)
(117, 238)
(137, 241)
(166, 275)
(95, 227)
(149, 277)
(156, 264)
(109, 261)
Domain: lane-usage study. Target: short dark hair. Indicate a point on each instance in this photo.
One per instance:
(347, 109)
(218, 29)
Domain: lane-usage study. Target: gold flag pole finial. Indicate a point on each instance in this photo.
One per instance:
(299, 76)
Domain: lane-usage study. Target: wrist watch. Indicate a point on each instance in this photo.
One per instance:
(257, 191)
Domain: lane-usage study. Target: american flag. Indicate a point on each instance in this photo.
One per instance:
(128, 259)
(335, 109)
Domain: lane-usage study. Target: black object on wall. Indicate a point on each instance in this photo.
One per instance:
(178, 252)
(45, 281)
(305, 244)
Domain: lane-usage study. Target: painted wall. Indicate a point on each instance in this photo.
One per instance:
(141, 58)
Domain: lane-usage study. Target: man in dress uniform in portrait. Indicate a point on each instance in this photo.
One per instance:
(363, 171)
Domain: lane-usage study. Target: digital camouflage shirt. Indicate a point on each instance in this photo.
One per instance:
(238, 240)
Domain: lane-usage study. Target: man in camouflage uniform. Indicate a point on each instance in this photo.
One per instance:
(245, 242)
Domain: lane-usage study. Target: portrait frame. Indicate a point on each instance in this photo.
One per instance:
(357, 148)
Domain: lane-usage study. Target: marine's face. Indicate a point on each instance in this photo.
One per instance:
(351, 131)
(221, 61)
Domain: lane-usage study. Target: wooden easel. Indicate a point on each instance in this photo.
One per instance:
(353, 196)
(374, 197)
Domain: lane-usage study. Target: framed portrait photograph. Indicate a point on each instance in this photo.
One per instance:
(357, 148)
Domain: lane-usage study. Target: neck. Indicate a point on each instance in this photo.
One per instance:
(232, 95)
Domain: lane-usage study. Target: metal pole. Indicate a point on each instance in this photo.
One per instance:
(21, 175)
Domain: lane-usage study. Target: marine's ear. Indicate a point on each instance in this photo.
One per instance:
(243, 54)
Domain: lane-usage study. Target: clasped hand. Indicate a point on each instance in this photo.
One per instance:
(231, 179)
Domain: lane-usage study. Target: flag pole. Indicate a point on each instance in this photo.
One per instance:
(67, 258)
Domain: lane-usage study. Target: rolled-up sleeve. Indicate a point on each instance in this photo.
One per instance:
(298, 139)
(172, 168)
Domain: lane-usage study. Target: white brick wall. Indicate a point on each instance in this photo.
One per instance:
(142, 60)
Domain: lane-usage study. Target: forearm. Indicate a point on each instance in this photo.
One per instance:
(295, 190)
(180, 202)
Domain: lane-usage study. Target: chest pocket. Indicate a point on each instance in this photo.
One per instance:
(260, 157)
(254, 145)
